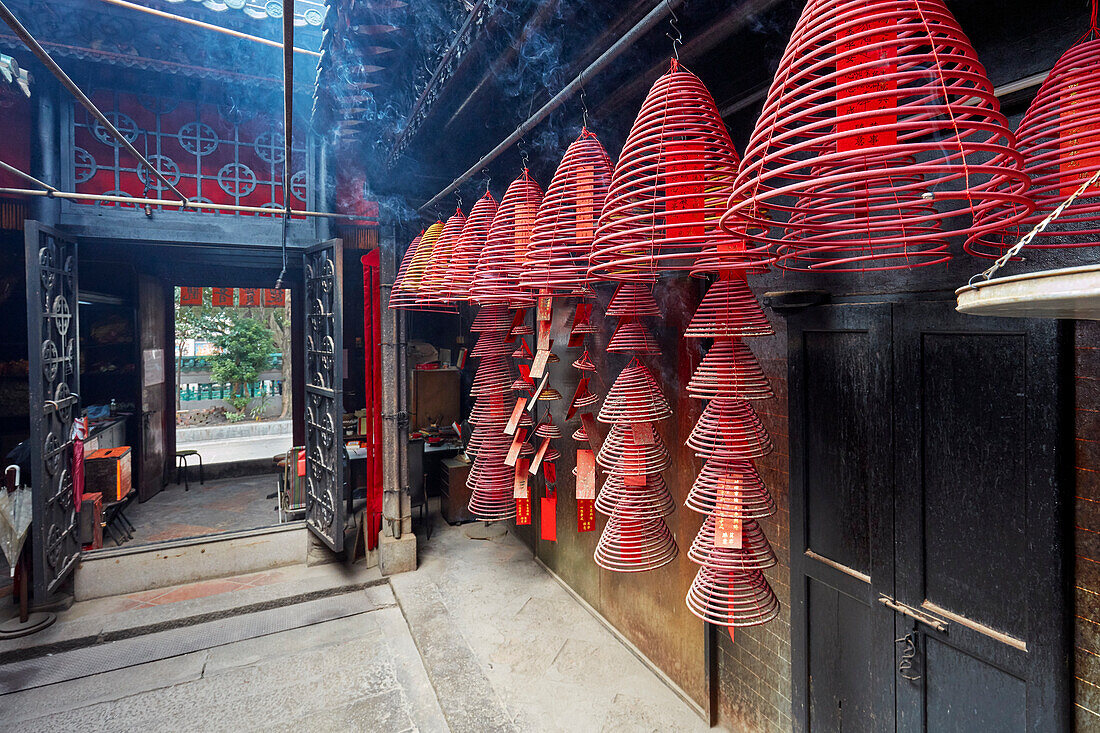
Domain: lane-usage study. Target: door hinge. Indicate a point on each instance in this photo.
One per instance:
(914, 613)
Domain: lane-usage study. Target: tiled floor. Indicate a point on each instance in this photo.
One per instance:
(217, 506)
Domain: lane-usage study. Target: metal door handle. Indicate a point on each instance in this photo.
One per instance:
(914, 613)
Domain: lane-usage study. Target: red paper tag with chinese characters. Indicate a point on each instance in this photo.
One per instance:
(519, 486)
(586, 515)
(728, 515)
(517, 413)
(544, 308)
(643, 433)
(586, 474)
(582, 389)
(550, 472)
(873, 80)
(548, 517)
(516, 447)
(684, 188)
(538, 368)
(539, 455)
(1084, 133)
(544, 342)
(190, 296)
(523, 511)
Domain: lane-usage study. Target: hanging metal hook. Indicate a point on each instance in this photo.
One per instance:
(458, 197)
(678, 39)
(523, 154)
(584, 108)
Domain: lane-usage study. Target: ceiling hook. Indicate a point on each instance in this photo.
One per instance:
(523, 154)
(584, 107)
(678, 39)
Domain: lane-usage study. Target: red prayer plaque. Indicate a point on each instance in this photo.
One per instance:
(518, 318)
(519, 487)
(523, 511)
(586, 515)
(539, 455)
(516, 447)
(544, 337)
(589, 423)
(544, 308)
(870, 131)
(582, 314)
(576, 340)
(685, 188)
(585, 216)
(274, 298)
(1074, 166)
(727, 517)
(548, 517)
(643, 433)
(550, 472)
(221, 297)
(538, 368)
(250, 297)
(190, 296)
(513, 421)
(586, 474)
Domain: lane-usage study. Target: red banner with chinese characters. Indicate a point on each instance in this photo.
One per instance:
(523, 511)
(190, 296)
(869, 131)
(221, 297)
(250, 297)
(274, 298)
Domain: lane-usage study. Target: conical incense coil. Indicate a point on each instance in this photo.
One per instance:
(489, 473)
(522, 352)
(412, 294)
(635, 397)
(581, 436)
(487, 410)
(729, 309)
(743, 493)
(755, 552)
(488, 382)
(652, 499)
(729, 371)
(562, 238)
(668, 190)
(410, 252)
(492, 506)
(585, 399)
(548, 429)
(464, 259)
(584, 363)
(488, 436)
(549, 394)
(729, 429)
(522, 385)
(632, 337)
(632, 545)
(632, 300)
(552, 454)
(431, 285)
(620, 452)
(503, 258)
(493, 318)
(584, 328)
(869, 91)
(732, 598)
(490, 344)
(523, 329)
(1060, 142)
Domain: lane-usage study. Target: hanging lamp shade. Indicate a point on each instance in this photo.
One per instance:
(431, 285)
(561, 241)
(732, 597)
(1059, 138)
(467, 250)
(503, 258)
(729, 309)
(666, 194)
(878, 108)
(729, 371)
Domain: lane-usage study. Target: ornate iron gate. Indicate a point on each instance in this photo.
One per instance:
(324, 407)
(54, 389)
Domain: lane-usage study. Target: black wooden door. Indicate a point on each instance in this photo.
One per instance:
(841, 528)
(927, 581)
(324, 401)
(979, 523)
(54, 369)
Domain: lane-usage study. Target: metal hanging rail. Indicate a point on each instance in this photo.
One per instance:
(660, 10)
(27, 177)
(47, 60)
(206, 26)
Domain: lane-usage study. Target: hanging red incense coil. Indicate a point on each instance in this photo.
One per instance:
(584, 363)
(410, 252)
(729, 371)
(632, 545)
(561, 241)
(581, 436)
(668, 189)
(492, 318)
(406, 287)
(873, 95)
(732, 597)
(632, 300)
(755, 553)
(503, 258)
(621, 452)
(632, 337)
(1060, 140)
(431, 285)
(652, 499)
(547, 428)
(729, 429)
(753, 498)
(490, 344)
(487, 437)
(729, 309)
(467, 251)
(634, 397)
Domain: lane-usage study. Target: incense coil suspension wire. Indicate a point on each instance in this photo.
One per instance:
(460, 275)
(561, 240)
(431, 285)
(670, 185)
(503, 258)
(1059, 138)
(878, 108)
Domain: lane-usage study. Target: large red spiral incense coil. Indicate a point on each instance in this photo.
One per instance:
(651, 499)
(729, 371)
(738, 476)
(467, 251)
(632, 544)
(407, 287)
(732, 597)
(1059, 138)
(634, 397)
(562, 238)
(504, 256)
(669, 187)
(487, 437)
(729, 429)
(495, 318)
(877, 108)
(410, 252)
(755, 553)
(631, 337)
(431, 285)
(632, 300)
(491, 344)
(729, 309)
(547, 428)
(621, 452)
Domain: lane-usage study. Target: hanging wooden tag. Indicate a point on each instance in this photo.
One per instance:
(523, 511)
(589, 423)
(544, 310)
(516, 447)
(586, 474)
(519, 487)
(539, 455)
(538, 368)
(728, 522)
(538, 390)
(548, 517)
(517, 413)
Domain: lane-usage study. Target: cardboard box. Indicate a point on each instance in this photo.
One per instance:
(107, 472)
(91, 522)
